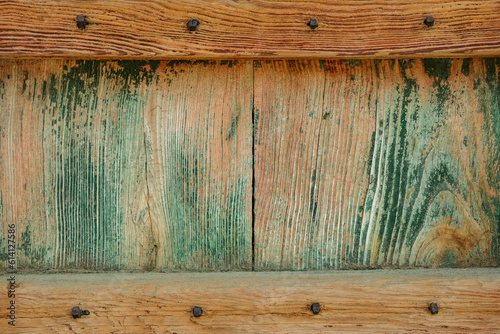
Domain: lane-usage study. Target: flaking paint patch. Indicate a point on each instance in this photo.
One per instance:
(418, 151)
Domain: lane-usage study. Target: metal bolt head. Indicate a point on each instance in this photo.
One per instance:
(429, 21)
(197, 311)
(76, 312)
(81, 21)
(315, 308)
(313, 24)
(433, 308)
(193, 24)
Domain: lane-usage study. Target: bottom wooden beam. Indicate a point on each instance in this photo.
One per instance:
(249, 302)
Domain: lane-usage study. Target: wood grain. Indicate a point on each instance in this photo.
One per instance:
(377, 164)
(73, 176)
(126, 165)
(252, 29)
(361, 302)
(199, 143)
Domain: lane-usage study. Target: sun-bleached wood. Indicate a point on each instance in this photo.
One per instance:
(147, 165)
(363, 164)
(198, 138)
(252, 29)
(360, 302)
(136, 165)
(72, 176)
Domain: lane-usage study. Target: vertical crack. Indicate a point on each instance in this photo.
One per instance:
(148, 196)
(253, 165)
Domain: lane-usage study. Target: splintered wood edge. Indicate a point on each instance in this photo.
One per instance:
(468, 300)
(263, 29)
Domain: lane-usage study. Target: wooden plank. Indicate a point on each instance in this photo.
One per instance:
(367, 164)
(103, 167)
(72, 170)
(199, 143)
(256, 29)
(361, 302)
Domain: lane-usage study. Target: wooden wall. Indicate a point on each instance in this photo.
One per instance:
(376, 164)
(127, 165)
(225, 165)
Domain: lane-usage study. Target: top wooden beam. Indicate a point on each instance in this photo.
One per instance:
(259, 29)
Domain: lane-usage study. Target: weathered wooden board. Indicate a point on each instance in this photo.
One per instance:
(377, 163)
(72, 169)
(256, 29)
(126, 165)
(199, 142)
(148, 165)
(361, 302)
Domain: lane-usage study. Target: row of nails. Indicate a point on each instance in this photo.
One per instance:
(76, 312)
(192, 25)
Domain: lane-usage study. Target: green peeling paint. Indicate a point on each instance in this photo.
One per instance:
(433, 159)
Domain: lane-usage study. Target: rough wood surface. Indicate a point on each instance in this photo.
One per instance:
(361, 302)
(199, 142)
(126, 165)
(257, 29)
(72, 169)
(147, 165)
(377, 163)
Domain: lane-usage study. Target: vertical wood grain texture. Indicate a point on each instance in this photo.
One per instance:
(74, 171)
(377, 163)
(147, 165)
(73, 176)
(199, 142)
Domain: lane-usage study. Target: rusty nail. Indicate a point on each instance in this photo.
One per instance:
(81, 21)
(433, 308)
(429, 21)
(197, 311)
(193, 24)
(313, 23)
(315, 308)
(76, 312)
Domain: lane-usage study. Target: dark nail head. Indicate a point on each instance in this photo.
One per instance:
(76, 312)
(81, 21)
(197, 311)
(193, 24)
(433, 308)
(313, 23)
(429, 21)
(315, 308)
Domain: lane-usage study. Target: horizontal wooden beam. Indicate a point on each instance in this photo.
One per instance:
(258, 29)
(468, 300)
